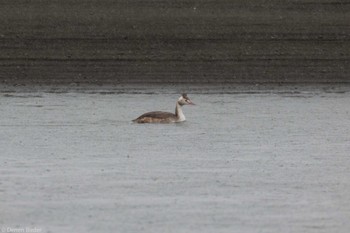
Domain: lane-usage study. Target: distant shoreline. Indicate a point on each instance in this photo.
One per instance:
(176, 88)
(103, 42)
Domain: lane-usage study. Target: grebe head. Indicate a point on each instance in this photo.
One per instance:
(184, 100)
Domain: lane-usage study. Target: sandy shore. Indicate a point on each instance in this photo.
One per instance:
(112, 42)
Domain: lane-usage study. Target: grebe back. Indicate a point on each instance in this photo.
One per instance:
(166, 117)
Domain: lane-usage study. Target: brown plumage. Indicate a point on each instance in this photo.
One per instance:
(166, 117)
(156, 117)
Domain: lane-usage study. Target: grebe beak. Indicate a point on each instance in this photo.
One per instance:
(190, 102)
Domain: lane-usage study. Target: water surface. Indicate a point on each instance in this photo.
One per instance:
(262, 162)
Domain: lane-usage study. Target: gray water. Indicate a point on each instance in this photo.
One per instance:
(263, 162)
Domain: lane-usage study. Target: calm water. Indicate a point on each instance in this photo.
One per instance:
(263, 162)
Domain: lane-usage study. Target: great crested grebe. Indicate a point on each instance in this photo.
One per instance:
(166, 117)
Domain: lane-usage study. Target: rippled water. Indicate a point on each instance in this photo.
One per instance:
(262, 162)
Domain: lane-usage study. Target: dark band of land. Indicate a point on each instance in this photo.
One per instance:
(204, 41)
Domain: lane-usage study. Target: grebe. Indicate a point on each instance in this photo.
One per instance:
(166, 117)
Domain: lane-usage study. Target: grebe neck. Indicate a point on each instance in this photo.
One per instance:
(178, 112)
